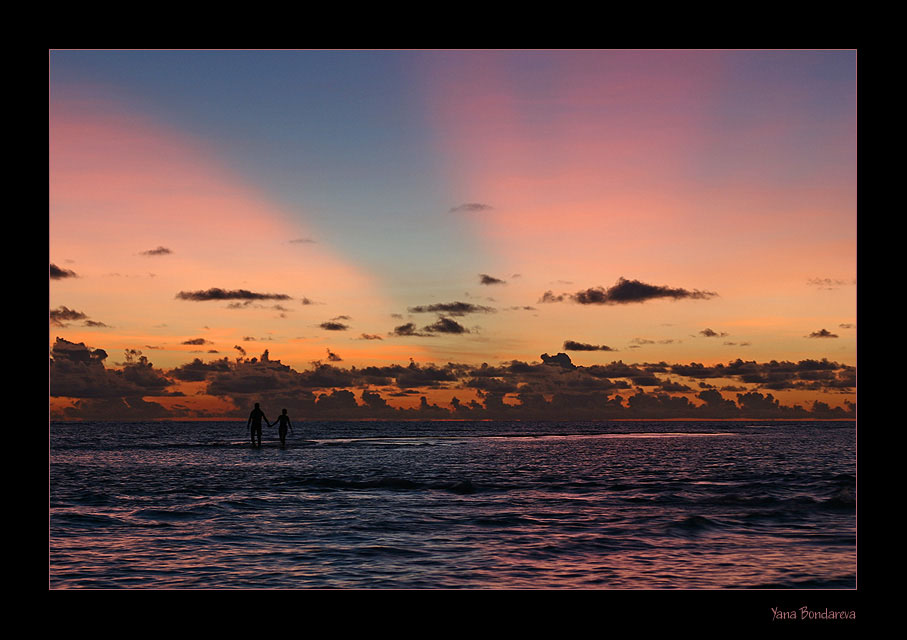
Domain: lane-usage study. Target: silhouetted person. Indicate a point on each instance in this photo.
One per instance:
(255, 424)
(284, 421)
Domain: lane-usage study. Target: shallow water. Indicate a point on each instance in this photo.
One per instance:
(481, 505)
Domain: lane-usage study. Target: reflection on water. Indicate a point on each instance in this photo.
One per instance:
(696, 506)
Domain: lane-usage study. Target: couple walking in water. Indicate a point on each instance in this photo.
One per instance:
(254, 425)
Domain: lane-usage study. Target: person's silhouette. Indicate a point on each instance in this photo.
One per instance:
(284, 421)
(255, 424)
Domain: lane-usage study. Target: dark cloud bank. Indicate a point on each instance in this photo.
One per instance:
(553, 389)
(107, 394)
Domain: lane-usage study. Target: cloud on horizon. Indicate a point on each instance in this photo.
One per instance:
(554, 388)
(78, 372)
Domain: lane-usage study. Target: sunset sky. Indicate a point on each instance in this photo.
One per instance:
(383, 223)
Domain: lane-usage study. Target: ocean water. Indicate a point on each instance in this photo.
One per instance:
(454, 505)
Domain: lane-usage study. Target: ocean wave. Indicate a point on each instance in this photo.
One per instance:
(91, 520)
(501, 520)
(91, 499)
(355, 505)
(694, 524)
(386, 482)
(387, 550)
(171, 514)
(843, 498)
